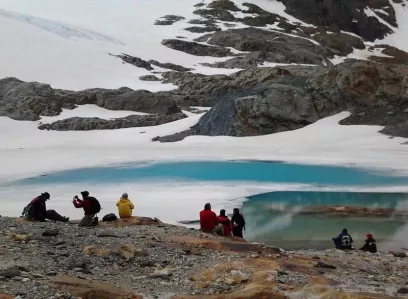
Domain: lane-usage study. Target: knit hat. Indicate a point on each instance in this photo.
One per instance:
(85, 193)
(124, 195)
(369, 236)
(45, 195)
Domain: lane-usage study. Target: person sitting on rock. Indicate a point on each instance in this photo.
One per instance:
(370, 245)
(125, 206)
(209, 221)
(226, 223)
(343, 241)
(91, 207)
(37, 210)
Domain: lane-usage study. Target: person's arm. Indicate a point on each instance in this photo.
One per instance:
(78, 203)
(216, 221)
(118, 203)
(365, 247)
(131, 205)
(351, 239)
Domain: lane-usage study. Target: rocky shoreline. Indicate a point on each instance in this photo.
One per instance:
(144, 258)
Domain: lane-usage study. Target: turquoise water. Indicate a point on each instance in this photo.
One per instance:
(262, 172)
(272, 217)
(276, 217)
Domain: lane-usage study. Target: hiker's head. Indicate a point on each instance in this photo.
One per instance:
(85, 194)
(222, 212)
(236, 211)
(125, 195)
(207, 206)
(45, 196)
(369, 236)
(344, 231)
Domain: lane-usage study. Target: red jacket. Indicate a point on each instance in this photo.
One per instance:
(208, 220)
(85, 204)
(226, 224)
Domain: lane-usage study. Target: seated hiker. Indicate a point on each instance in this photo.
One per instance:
(125, 206)
(37, 210)
(343, 241)
(91, 207)
(226, 223)
(209, 221)
(238, 222)
(370, 245)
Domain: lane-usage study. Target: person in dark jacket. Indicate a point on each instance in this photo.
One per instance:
(226, 223)
(370, 245)
(238, 223)
(85, 203)
(209, 222)
(343, 241)
(37, 210)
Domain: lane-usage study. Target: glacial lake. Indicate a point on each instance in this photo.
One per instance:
(276, 216)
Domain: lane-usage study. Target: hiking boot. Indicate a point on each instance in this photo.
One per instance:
(95, 221)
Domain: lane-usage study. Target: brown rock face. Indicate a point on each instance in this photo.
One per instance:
(87, 289)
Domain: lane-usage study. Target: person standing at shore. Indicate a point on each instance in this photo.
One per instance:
(125, 206)
(209, 222)
(238, 222)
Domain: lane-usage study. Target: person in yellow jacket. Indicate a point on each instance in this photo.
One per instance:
(125, 206)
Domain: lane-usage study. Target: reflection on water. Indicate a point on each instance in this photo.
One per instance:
(288, 219)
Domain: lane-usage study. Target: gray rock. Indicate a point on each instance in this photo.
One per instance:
(170, 66)
(402, 290)
(136, 61)
(113, 234)
(168, 20)
(324, 265)
(196, 29)
(149, 78)
(269, 46)
(223, 5)
(196, 48)
(87, 124)
(348, 15)
(220, 14)
(10, 273)
(51, 233)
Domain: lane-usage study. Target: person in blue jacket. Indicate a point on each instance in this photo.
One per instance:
(343, 241)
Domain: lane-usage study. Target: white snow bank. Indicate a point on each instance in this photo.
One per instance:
(29, 151)
(399, 38)
(67, 43)
(89, 110)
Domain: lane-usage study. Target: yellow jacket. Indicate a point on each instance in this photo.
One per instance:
(125, 208)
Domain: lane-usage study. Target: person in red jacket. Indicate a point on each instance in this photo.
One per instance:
(209, 221)
(226, 223)
(89, 219)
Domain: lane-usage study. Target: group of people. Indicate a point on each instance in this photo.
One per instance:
(37, 209)
(345, 242)
(222, 225)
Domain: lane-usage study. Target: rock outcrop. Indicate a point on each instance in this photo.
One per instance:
(168, 20)
(196, 48)
(269, 100)
(94, 123)
(21, 100)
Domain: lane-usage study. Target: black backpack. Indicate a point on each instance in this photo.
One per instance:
(109, 217)
(345, 241)
(95, 205)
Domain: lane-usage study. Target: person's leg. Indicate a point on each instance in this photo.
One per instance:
(87, 220)
(219, 230)
(54, 216)
(238, 232)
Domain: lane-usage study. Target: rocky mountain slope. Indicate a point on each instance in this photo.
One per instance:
(314, 35)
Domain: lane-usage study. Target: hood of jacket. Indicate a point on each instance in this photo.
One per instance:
(124, 200)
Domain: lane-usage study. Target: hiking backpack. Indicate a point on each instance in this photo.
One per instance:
(109, 217)
(345, 241)
(95, 205)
